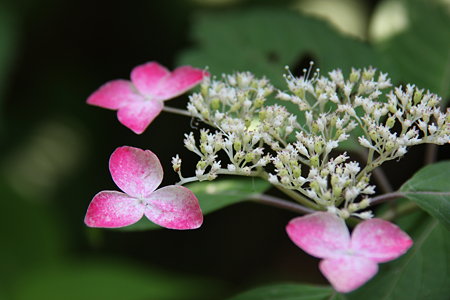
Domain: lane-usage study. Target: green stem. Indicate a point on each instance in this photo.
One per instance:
(177, 111)
(280, 203)
(299, 198)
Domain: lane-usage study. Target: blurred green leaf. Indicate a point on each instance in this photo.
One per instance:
(263, 41)
(421, 54)
(109, 280)
(430, 189)
(214, 195)
(422, 273)
(290, 292)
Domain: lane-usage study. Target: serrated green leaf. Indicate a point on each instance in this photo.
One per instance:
(430, 189)
(290, 292)
(421, 54)
(422, 273)
(214, 195)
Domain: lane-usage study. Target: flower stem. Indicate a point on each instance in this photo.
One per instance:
(177, 111)
(386, 197)
(280, 203)
(299, 198)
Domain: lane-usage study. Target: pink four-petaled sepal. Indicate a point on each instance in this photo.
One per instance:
(138, 173)
(348, 261)
(140, 100)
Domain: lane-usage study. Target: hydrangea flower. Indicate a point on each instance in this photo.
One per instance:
(138, 173)
(348, 262)
(140, 100)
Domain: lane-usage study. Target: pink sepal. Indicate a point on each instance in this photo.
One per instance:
(114, 95)
(138, 115)
(157, 83)
(137, 172)
(321, 234)
(174, 207)
(111, 209)
(347, 273)
(380, 240)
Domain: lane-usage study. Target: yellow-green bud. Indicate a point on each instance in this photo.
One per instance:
(258, 103)
(365, 179)
(326, 196)
(392, 109)
(334, 180)
(333, 121)
(296, 172)
(237, 145)
(314, 161)
(364, 203)
(202, 164)
(203, 136)
(315, 128)
(235, 107)
(205, 114)
(373, 135)
(389, 146)
(347, 183)
(315, 186)
(337, 191)
(353, 207)
(279, 165)
(390, 122)
(249, 157)
(283, 172)
(215, 104)
(318, 147)
(300, 93)
(262, 115)
(417, 96)
(367, 75)
(354, 77)
(338, 133)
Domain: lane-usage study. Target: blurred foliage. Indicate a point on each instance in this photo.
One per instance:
(290, 292)
(54, 148)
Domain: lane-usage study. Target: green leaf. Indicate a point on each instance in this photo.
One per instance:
(290, 292)
(430, 189)
(263, 41)
(214, 195)
(109, 280)
(422, 273)
(421, 54)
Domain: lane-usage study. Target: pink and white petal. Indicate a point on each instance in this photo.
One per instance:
(347, 273)
(137, 172)
(147, 77)
(320, 234)
(380, 240)
(138, 115)
(114, 95)
(182, 79)
(174, 207)
(111, 209)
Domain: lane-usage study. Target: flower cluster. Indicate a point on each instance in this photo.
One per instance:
(298, 151)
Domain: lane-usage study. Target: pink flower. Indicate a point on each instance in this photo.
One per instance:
(140, 100)
(348, 262)
(138, 173)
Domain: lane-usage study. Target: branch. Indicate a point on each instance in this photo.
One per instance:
(280, 203)
(386, 197)
(177, 111)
